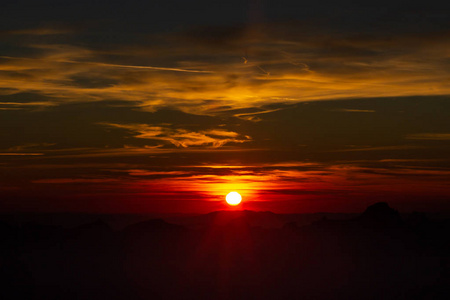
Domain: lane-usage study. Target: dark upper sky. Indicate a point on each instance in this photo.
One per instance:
(166, 106)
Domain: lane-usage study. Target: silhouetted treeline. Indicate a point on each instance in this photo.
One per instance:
(376, 255)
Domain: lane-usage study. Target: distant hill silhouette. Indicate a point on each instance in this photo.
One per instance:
(381, 215)
(152, 226)
(254, 218)
(94, 229)
(230, 255)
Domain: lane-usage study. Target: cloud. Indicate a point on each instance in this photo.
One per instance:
(252, 116)
(378, 148)
(291, 164)
(74, 180)
(345, 179)
(20, 154)
(31, 146)
(408, 171)
(139, 67)
(138, 172)
(429, 136)
(187, 72)
(23, 105)
(356, 110)
(220, 132)
(411, 160)
(182, 137)
(41, 31)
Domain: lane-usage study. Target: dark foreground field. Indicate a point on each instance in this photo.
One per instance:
(230, 255)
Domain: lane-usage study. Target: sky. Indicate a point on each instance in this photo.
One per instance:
(166, 106)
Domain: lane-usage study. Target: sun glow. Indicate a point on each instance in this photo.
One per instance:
(233, 198)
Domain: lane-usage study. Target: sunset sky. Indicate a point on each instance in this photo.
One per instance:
(166, 106)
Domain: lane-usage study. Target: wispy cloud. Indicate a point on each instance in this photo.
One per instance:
(284, 65)
(20, 154)
(30, 146)
(22, 105)
(138, 67)
(75, 180)
(41, 31)
(253, 116)
(411, 160)
(182, 137)
(277, 181)
(356, 110)
(378, 148)
(429, 136)
(140, 172)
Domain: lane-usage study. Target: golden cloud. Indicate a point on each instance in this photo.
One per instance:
(429, 136)
(182, 137)
(202, 78)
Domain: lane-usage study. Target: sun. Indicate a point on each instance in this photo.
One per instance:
(233, 198)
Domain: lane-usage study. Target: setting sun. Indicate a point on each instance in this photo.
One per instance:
(233, 198)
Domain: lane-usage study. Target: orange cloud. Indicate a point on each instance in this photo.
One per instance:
(74, 180)
(282, 65)
(429, 136)
(39, 31)
(182, 137)
(20, 154)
